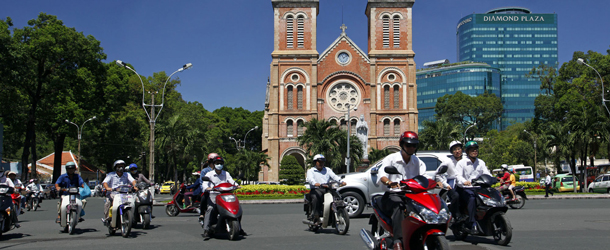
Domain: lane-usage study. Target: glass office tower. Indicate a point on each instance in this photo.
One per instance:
(514, 40)
(470, 78)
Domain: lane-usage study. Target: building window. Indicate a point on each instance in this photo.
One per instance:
(343, 125)
(353, 128)
(386, 97)
(396, 30)
(396, 127)
(396, 98)
(289, 31)
(289, 128)
(386, 127)
(289, 99)
(299, 127)
(386, 31)
(300, 97)
(300, 29)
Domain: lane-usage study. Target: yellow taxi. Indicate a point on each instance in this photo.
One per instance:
(166, 187)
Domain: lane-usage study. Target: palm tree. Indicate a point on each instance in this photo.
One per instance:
(376, 155)
(437, 135)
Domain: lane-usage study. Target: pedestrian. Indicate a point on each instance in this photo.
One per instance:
(547, 185)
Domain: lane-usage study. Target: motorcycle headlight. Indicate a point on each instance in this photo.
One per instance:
(334, 185)
(492, 203)
(229, 198)
(4, 190)
(143, 195)
(429, 216)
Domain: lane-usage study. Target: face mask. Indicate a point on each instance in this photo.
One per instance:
(120, 169)
(218, 166)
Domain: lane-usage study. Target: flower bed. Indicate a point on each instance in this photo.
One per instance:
(271, 191)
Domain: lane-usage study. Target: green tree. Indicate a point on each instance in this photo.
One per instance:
(376, 155)
(483, 110)
(437, 134)
(291, 172)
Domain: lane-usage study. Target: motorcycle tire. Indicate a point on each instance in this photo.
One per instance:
(36, 204)
(233, 229)
(67, 227)
(125, 224)
(29, 205)
(172, 210)
(146, 222)
(518, 204)
(458, 234)
(72, 222)
(502, 230)
(341, 221)
(437, 242)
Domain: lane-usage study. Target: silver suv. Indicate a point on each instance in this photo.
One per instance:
(363, 185)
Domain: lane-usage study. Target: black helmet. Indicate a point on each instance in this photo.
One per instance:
(70, 165)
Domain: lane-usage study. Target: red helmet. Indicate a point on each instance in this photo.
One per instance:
(409, 137)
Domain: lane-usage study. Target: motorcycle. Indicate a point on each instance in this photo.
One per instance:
(176, 205)
(33, 201)
(520, 195)
(229, 210)
(143, 205)
(334, 212)
(490, 212)
(52, 192)
(70, 213)
(425, 223)
(7, 208)
(121, 211)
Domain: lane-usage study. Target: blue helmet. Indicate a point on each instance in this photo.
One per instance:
(132, 166)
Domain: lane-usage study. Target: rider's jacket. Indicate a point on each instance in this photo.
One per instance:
(407, 170)
(114, 180)
(7, 181)
(467, 170)
(448, 178)
(216, 179)
(316, 176)
(64, 181)
(33, 187)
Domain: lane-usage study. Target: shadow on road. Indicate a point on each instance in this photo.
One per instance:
(10, 236)
(474, 240)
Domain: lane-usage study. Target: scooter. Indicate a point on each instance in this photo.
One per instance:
(520, 195)
(33, 201)
(334, 212)
(7, 209)
(70, 213)
(229, 210)
(121, 211)
(425, 223)
(176, 206)
(143, 205)
(490, 213)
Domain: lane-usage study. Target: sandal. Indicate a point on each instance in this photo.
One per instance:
(57, 220)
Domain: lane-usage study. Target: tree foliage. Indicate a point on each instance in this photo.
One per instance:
(291, 172)
(466, 110)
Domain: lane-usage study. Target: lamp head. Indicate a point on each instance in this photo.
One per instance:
(580, 61)
(355, 108)
(187, 66)
(95, 117)
(255, 127)
(67, 120)
(120, 63)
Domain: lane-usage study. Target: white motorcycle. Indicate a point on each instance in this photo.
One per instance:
(33, 200)
(333, 208)
(70, 211)
(121, 212)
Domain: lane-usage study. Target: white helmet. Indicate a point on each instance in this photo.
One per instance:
(454, 143)
(319, 157)
(504, 166)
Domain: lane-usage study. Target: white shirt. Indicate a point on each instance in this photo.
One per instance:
(17, 183)
(33, 187)
(408, 170)
(466, 170)
(216, 179)
(547, 181)
(7, 181)
(114, 180)
(315, 176)
(450, 174)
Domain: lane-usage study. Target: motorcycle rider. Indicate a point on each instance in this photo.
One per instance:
(18, 187)
(467, 170)
(139, 177)
(409, 166)
(317, 176)
(31, 188)
(207, 167)
(506, 182)
(112, 181)
(5, 180)
(216, 177)
(195, 193)
(447, 180)
(63, 183)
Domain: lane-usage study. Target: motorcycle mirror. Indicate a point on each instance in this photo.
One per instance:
(205, 178)
(442, 169)
(342, 176)
(391, 170)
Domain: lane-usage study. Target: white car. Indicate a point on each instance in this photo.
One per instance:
(361, 186)
(601, 184)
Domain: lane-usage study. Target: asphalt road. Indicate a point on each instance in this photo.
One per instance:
(542, 224)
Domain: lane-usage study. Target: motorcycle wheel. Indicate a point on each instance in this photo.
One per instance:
(146, 222)
(341, 222)
(502, 230)
(436, 242)
(125, 224)
(67, 227)
(458, 233)
(233, 229)
(72, 222)
(36, 202)
(519, 203)
(172, 210)
(29, 205)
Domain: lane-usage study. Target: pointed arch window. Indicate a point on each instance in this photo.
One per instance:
(386, 97)
(386, 127)
(289, 31)
(299, 127)
(289, 129)
(353, 128)
(396, 97)
(396, 31)
(300, 97)
(397, 127)
(289, 97)
(386, 31)
(300, 30)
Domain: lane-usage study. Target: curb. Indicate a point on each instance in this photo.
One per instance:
(282, 201)
(569, 197)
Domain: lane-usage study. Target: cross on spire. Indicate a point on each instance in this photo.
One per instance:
(343, 28)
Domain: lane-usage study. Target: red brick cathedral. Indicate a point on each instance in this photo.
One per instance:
(305, 84)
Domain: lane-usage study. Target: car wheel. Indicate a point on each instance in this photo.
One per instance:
(608, 191)
(590, 190)
(354, 203)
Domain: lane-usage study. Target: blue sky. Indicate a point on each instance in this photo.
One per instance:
(229, 42)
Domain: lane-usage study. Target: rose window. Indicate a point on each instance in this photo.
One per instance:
(342, 94)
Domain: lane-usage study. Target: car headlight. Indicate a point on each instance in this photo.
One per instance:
(429, 216)
(492, 203)
(229, 198)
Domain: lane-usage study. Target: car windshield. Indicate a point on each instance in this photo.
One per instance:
(569, 178)
(168, 184)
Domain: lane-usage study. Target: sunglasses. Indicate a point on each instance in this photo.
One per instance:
(411, 145)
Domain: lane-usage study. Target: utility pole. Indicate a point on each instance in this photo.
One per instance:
(151, 142)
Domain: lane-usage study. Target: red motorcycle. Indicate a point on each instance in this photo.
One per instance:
(426, 218)
(229, 211)
(176, 206)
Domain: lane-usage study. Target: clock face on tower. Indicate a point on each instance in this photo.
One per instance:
(343, 58)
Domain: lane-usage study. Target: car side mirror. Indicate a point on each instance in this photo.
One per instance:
(391, 170)
(374, 171)
(343, 176)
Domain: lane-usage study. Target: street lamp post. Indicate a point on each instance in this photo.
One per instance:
(244, 146)
(474, 124)
(582, 62)
(535, 151)
(349, 128)
(152, 115)
(80, 131)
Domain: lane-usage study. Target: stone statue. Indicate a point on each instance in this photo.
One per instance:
(362, 132)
